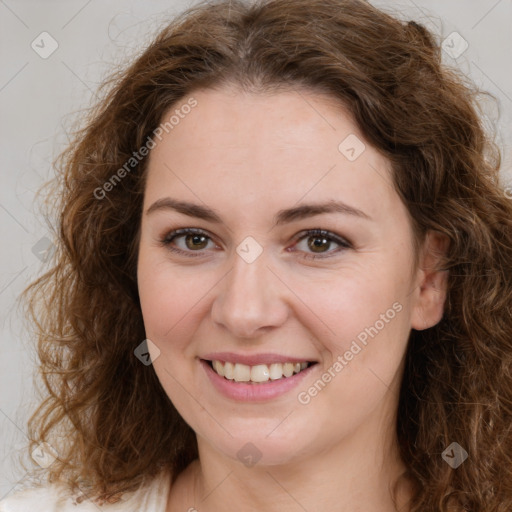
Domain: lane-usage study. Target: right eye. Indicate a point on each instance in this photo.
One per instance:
(193, 241)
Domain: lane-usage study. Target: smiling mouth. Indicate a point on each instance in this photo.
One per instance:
(259, 373)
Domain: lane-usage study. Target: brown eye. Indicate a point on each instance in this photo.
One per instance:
(319, 242)
(187, 241)
(196, 241)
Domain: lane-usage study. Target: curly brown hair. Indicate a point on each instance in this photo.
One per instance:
(107, 414)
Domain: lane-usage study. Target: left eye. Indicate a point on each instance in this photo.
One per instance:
(316, 241)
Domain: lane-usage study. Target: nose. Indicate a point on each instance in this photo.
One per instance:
(251, 299)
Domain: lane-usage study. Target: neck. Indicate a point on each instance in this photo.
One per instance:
(357, 475)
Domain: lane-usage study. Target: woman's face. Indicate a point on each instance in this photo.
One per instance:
(251, 174)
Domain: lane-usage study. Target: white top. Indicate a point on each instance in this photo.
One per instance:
(57, 498)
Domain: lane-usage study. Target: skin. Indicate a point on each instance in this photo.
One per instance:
(247, 156)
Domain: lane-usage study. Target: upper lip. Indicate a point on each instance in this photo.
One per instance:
(254, 359)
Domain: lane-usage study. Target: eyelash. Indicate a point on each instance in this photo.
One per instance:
(345, 244)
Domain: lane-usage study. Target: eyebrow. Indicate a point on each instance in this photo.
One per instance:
(282, 217)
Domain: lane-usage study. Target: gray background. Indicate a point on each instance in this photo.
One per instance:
(41, 98)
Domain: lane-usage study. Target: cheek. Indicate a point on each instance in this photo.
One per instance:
(362, 328)
(172, 300)
(354, 300)
(161, 299)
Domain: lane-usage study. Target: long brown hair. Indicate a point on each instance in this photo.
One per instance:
(106, 413)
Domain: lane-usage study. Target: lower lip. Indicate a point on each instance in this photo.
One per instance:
(246, 392)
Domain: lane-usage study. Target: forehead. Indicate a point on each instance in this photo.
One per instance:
(273, 150)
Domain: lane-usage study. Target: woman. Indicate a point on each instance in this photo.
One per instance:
(284, 278)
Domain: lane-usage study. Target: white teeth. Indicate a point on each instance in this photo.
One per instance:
(229, 370)
(218, 367)
(288, 369)
(242, 373)
(276, 371)
(258, 373)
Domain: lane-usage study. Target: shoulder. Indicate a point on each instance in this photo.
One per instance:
(48, 498)
(57, 498)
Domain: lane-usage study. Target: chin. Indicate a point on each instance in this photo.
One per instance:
(254, 448)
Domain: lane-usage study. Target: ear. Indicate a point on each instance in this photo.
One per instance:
(431, 282)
